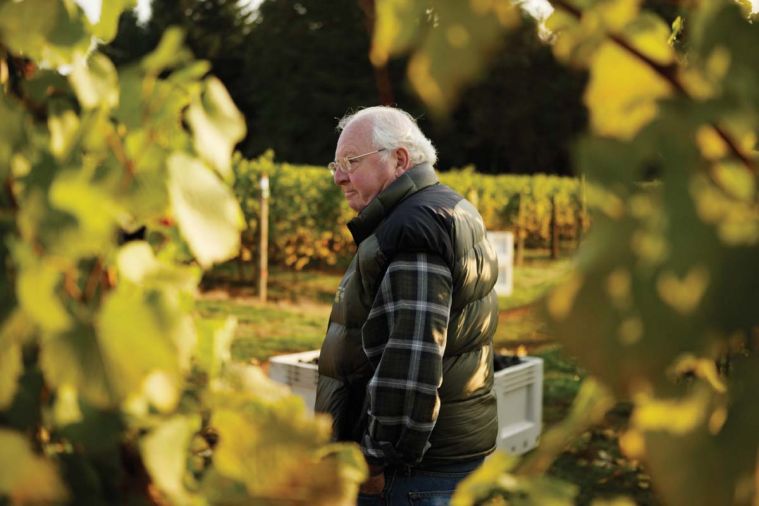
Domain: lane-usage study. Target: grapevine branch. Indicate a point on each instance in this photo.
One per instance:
(93, 280)
(668, 73)
(118, 150)
(70, 285)
(8, 185)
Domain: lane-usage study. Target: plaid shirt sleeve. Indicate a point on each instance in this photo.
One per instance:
(404, 338)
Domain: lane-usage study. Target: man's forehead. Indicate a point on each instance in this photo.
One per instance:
(358, 133)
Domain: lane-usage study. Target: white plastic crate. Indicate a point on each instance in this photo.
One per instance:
(519, 390)
(297, 371)
(503, 244)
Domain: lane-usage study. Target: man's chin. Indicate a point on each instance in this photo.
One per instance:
(355, 203)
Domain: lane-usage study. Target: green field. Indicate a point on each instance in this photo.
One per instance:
(296, 317)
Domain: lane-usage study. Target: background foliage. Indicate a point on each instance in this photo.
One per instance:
(308, 213)
(112, 388)
(293, 68)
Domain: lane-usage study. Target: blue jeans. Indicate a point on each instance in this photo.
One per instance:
(420, 488)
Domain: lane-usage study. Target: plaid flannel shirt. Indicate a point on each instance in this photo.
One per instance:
(404, 338)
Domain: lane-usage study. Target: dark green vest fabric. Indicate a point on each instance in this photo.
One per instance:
(418, 214)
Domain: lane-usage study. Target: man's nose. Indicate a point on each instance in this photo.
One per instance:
(340, 177)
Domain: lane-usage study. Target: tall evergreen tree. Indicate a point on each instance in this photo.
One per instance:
(521, 117)
(293, 68)
(307, 64)
(215, 30)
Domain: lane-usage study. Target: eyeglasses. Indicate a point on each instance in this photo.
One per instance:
(344, 164)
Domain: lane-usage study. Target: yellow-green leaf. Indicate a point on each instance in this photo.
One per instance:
(622, 92)
(78, 195)
(214, 343)
(137, 263)
(397, 23)
(73, 359)
(64, 126)
(216, 125)
(170, 51)
(37, 290)
(206, 210)
(10, 369)
(165, 453)
(135, 333)
(456, 49)
(677, 416)
(26, 478)
(95, 82)
(494, 480)
(108, 25)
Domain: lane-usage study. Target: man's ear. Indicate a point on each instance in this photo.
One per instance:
(402, 161)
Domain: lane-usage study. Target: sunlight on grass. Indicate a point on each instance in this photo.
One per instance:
(266, 330)
(532, 281)
(296, 320)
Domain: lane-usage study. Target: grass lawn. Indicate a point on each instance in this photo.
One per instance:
(264, 330)
(296, 319)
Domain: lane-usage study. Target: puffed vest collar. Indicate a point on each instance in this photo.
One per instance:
(408, 183)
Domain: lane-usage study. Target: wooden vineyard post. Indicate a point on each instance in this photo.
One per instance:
(263, 257)
(554, 229)
(581, 219)
(519, 256)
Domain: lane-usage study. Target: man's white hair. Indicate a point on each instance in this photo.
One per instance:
(394, 128)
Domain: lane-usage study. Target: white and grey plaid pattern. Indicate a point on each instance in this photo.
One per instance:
(404, 338)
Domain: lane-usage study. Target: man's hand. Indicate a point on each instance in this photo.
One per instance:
(374, 485)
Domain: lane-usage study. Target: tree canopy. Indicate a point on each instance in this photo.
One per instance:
(293, 69)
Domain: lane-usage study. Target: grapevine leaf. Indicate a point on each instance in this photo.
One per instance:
(620, 107)
(206, 210)
(10, 369)
(75, 194)
(458, 38)
(217, 126)
(63, 123)
(99, 430)
(24, 477)
(134, 353)
(25, 25)
(95, 82)
(493, 479)
(73, 359)
(169, 53)
(214, 342)
(727, 435)
(137, 263)
(352, 468)
(465, 36)
(397, 25)
(66, 408)
(47, 31)
(36, 288)
(165, 453)
(108, 25)
(274, 451)
(272, 445)
(578, 38)
(130, 111)
(10, 133)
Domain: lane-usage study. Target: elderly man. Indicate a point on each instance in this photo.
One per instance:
(406, 367)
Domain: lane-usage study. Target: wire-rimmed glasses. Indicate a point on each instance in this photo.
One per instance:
(344, 164)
